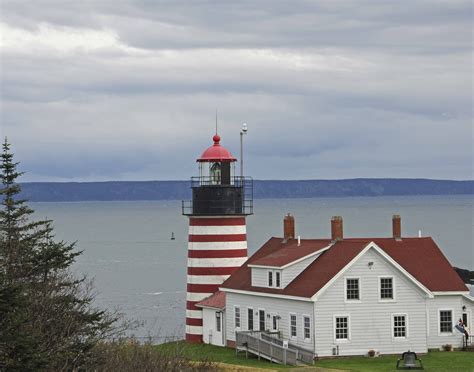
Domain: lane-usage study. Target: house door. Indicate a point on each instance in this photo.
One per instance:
(261, 320)
(466, 320)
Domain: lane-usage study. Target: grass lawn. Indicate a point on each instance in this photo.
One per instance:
(433, 361)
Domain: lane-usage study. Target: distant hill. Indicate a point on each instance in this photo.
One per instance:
(175, 190)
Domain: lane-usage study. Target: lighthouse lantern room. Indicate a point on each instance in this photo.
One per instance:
(217, 243)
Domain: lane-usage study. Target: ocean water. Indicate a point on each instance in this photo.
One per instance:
(139, 270)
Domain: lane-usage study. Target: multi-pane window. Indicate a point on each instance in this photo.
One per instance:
(445, 321)
(352, 289)
(386, 288)
(277, 279)
(293, 325)
(261, 320)
(270, 278)
(237, 317)
(250, 319)
(306, 327)
(399, 326)
(342, 328)
(218, 321)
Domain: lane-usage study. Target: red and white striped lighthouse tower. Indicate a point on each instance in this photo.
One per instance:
(217, 232)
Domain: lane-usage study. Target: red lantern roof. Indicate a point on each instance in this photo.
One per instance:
(216, 152)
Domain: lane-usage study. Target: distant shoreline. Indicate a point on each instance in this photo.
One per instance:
(263, 189)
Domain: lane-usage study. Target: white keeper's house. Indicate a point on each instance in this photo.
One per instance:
(335, 296)
(343, 296)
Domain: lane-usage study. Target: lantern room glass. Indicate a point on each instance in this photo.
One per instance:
(210, 173)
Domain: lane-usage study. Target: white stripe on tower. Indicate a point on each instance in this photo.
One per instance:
(217, 247)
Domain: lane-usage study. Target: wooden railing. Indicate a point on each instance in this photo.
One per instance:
(270, 346)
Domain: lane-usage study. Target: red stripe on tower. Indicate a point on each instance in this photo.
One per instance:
(218, 238)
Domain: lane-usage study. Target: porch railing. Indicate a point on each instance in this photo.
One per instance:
(271, 346)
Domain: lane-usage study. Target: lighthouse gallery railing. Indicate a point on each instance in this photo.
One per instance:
(233, 197)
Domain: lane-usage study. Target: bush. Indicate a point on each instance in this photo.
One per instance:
(129, 355)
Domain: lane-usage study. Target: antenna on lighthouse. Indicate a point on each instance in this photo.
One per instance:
(216, 121)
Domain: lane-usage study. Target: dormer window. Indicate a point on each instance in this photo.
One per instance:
(274, 278)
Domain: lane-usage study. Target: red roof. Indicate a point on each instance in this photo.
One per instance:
(291, 251)
(216, 301)
(216, 152)
(420, 257)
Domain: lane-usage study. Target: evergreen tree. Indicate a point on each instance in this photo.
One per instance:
(46, 315)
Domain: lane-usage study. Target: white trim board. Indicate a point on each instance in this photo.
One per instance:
(264, 294)
(379, 250)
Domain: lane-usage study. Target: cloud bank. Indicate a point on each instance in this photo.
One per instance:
(127, 90)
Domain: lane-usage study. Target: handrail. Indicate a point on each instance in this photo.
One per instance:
(299, 353)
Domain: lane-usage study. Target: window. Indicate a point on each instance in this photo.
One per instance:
(274, 322)
(250, 319)
(277, 279)
(218, 321)
(386, 288)
(261, 320)
(293, 325)
(270, 278)
(342, 328)
(399, 326)
(352, 289)
(446, 321)
(306, 327)
(237, 317)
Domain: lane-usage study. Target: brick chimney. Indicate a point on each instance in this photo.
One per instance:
(288, 227)
(397, 227)
(336, 228)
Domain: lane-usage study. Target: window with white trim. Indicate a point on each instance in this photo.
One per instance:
(237, 316)
(218, 321)
(399, 326)
(292, 325)
(352, 289)
(386, 288)
(250, 319)
(261, 320)
(277, 279)
(445, 321)
(342, 328)
(270, 278)
(306, 327)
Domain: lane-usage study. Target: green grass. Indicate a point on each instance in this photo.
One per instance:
(433, 361)
(219, 354)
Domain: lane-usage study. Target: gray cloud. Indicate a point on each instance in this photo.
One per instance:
(127, 90)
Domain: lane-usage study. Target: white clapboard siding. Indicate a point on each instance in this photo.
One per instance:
(281, 307)
(259, 277)
(370, 319)
(434, 305)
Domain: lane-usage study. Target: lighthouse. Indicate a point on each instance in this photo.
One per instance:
(217, 243)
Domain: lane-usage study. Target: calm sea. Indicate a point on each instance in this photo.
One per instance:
(140, 270)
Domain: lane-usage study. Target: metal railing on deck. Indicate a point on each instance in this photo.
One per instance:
(261, 343)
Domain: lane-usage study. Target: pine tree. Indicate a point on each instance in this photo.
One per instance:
(47, 319)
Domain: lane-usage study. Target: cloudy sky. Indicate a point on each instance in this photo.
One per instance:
(127, 90)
